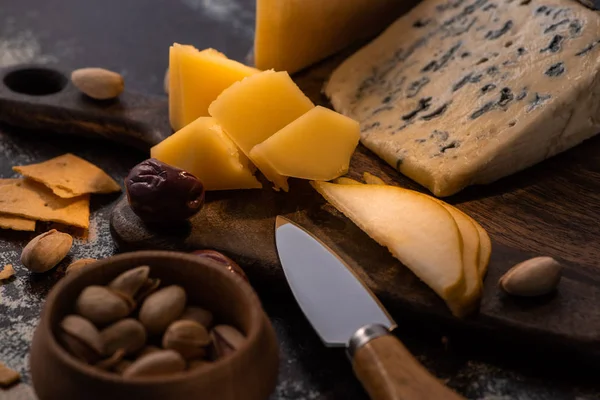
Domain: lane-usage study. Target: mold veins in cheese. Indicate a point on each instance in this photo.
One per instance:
(252, 110)
(462, 92)
(196, 78)
(316, 146)
(203, 149)
(292, 34)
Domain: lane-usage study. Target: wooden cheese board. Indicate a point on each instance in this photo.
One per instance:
(550, 209)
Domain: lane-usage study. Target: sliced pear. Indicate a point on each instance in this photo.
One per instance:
(469, 301)
(417, 231)
(346, 181)
(485, 249)
(372, 179)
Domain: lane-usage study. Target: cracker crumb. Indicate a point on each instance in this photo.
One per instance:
(7, 272)
(8, 376)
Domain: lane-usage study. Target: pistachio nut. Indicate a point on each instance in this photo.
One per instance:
(226, 340)
(161, 308)
(112, 361)
(188, 338)
(130, 282)
(127, 334)
(44, 251)
(158, 363)
(534, 277)
(78, 265)
(199, 315)
(98, 83)
(78, 349)
(101, 305)
(81, 338)
(149, 287)
(121, 366)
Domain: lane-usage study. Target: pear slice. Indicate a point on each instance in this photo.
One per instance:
(346, 181)
(469, 301)
(417, 231)
(485, 249)
(372, 179)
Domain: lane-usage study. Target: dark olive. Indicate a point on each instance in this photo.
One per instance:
(222, 259)
(158, 192)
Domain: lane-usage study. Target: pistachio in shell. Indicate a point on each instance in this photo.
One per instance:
(81, 338)
(79, 265)
(130, 282)
(534, 277)
(161, 308)
(162, 362)
(199, 315)
(102, 306)
(44, 251)
(226, 340)
(188, 338)
(127, 334)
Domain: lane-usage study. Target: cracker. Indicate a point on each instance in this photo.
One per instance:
(8, 376)
(69, 176)
(16, 223)
(25, 198)
(7, 272)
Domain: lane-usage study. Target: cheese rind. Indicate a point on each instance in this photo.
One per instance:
(196, 79)
(252, 110)
(462, 92)
(316, 146)
(292, 34)
(205, 151)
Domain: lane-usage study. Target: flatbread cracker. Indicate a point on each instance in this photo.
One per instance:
(8, 376)
(25, 198)
(16, 223)
(69, 176)
(7, 272)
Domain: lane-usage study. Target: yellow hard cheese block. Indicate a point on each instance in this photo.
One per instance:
(252, 110)
(316, 146)
(196, 78)
(205, 151)
(292, 34)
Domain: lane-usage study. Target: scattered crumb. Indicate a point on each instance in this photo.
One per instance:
(7, 272)
(7, 375)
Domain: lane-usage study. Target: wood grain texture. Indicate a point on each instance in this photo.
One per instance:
(132, 119)
(550, 209)
(388, 371)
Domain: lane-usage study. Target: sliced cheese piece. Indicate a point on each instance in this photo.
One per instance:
(252, 110)
(316, 146)
(196, 79)
(416, 229)
(292, 34)
(469, 301)
(459, 92)
(205, 151)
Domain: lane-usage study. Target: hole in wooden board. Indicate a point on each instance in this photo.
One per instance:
(35, 81)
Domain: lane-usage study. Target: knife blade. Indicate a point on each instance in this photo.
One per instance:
(344, 312)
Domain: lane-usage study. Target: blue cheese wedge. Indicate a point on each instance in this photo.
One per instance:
(463, 92)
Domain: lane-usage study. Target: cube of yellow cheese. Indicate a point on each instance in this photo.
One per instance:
(196, 78)
(316, 146)
(205, 151)
(252, 110)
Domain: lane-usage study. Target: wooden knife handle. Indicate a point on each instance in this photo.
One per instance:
(42, 98)
(388, 371)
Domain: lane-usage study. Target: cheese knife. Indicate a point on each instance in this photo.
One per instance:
(345, 313)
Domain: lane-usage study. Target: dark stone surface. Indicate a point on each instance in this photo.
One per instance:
(132, 37)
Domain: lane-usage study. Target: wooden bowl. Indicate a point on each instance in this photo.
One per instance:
(250, 373)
